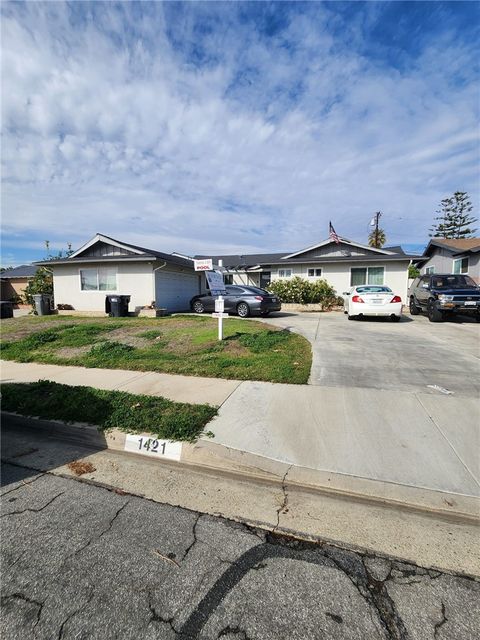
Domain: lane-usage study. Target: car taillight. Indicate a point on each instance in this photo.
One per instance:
(259, 298)
(357, 299)
(395, 299)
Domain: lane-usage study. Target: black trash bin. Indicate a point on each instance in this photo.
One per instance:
(6, 309)
(43, 304)
(117, 306)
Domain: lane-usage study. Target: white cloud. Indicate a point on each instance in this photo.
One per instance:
(109, 127)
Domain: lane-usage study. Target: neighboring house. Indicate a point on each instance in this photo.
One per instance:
(342, 265)
(445, 255)
(14, 281)
(105, 266)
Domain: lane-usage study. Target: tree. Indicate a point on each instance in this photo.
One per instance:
(413, 272)
(42, 282)
(454, 217)
(377, 238)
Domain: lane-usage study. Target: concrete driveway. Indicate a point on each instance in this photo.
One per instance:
(376, 405)
(379, 354)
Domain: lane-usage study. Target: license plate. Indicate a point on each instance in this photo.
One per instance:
(470, 303)
(376, 301)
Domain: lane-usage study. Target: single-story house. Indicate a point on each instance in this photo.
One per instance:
(450, 255)
(105, 266)
(342, 265)
(14, 281)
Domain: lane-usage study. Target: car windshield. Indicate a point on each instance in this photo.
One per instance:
(374, 290)
(453, 282)
(258, 291)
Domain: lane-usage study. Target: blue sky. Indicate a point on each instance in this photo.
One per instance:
(225, 127)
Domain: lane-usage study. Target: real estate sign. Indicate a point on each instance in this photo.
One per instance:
(215, 282)
(205, 264)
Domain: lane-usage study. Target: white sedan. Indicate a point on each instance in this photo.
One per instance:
(372, 300)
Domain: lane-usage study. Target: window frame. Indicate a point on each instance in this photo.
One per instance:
(430, 271)
(461, 272)
(279, 271)
(315, 273)
(97, 290)
(367, 268)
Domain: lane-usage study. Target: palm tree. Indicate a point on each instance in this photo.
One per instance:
(377, 238)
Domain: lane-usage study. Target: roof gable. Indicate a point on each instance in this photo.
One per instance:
(345, 248)
(103, 246)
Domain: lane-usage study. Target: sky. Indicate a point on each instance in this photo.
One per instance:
(224, 127)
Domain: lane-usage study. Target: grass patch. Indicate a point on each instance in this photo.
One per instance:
(107, 409)
(185, 345)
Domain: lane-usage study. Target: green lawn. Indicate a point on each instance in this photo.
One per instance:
(107, 409)
(185, 345)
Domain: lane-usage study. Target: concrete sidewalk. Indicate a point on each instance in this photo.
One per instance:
(412, 440)
(191, 389)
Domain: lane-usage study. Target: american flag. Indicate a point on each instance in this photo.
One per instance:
(333, 233)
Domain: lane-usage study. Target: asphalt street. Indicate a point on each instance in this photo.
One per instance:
(82, 561)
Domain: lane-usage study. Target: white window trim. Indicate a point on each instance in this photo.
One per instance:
(460, 260)
(372, 266)
(315, 269)
(429, 273)
(285, 269)
(80, 269)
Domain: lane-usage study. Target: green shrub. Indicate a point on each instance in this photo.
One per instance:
(301, 291)
(263, 341)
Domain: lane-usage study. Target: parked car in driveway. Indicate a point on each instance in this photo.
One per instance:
(240, 299)
(442, 294)
(372, 300)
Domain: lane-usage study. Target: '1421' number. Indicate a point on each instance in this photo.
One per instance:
(151, 445)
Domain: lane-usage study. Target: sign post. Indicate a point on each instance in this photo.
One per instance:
(217, 288)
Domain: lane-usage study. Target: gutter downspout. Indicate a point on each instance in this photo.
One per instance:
(154, 284)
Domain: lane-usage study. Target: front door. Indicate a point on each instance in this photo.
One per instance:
(265, 278)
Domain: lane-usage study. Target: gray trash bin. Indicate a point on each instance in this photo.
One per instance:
(6, 309)
(117, 306)
(43, 304)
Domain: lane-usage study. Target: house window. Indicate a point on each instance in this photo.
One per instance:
(460, 265)
(228, 279)
(284, 273)
(430, 270)
(314, 273)
(366, 275)
(103, 279)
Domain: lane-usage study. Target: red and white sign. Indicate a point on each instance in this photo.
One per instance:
(203, 265)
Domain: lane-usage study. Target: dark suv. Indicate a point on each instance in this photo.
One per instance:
(441, 294)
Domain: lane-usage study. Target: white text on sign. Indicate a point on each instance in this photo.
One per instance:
(154, 447)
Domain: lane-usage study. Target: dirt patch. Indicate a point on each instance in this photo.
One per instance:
(79, 468)
(128, 335)
(234, 348)
(72, 352)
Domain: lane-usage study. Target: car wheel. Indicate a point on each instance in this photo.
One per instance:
(434, 315)
(395, 318)
(264, 314)
(351, 317)
(243, 310)
(198, 307)
(414, 310)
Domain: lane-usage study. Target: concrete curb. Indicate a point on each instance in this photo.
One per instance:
(210, 456)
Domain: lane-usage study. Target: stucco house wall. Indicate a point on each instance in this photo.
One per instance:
(133, 278)
(337, 274)
(442, 260)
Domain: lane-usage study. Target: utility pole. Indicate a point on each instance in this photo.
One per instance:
(377, 218)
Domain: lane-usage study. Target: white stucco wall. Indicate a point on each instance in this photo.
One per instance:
(338, 274)
(133, 278)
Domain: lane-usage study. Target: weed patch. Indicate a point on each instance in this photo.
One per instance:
(107, 409)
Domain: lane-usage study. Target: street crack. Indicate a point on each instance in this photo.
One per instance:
(31, 509)
(235, 631)
(440, 624)
(24, 598)
(74, 613)
(195, 539)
